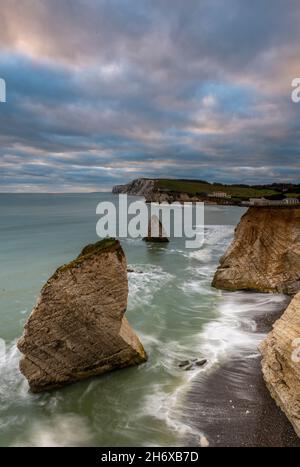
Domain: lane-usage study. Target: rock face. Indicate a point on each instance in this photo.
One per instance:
(78, 329)
(156, 232)
(281, 362)
(265, 253)
(139, 187)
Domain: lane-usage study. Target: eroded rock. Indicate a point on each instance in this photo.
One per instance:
(78, 328)
(265, 253)
(156, 232)
(281, 362)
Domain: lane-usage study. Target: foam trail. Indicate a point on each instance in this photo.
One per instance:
(66, 430)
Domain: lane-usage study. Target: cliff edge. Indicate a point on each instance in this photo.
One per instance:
(78, 328)
(138, 187)
(281, 362)
(265, 253)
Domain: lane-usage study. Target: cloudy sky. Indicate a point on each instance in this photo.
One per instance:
(100, 92)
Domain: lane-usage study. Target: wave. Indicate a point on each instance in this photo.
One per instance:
(144, 282)
(13, 386)
(58, 432)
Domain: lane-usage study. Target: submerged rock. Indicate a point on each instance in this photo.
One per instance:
(201, 362)
(184, 363)
(156, 232)
(281, 362)
(188, 367)
(265, 253)
(78, 328)
(191, 364)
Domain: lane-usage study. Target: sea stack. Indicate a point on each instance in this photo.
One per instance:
(156, 232)
(78, 328)
(281, 362)
(265, 253)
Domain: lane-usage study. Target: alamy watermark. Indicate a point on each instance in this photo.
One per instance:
(296, 90)
(135, 220)
(2, 90)
(2, 350)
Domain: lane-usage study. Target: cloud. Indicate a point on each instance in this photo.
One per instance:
(100, 92)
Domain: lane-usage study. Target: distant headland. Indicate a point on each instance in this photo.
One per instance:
(172, 190)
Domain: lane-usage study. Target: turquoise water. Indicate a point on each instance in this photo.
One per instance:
(171, 306)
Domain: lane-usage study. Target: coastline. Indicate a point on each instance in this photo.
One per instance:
(193, 191)
(231, 405)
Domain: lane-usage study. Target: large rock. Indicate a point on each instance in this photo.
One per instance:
(281, 362)
(265, 253)
(78, 329)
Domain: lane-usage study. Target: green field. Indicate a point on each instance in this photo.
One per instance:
(194, 187)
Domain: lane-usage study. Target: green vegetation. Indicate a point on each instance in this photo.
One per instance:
(108, 244)
(196, 187)
(105, 244)
(293, 195)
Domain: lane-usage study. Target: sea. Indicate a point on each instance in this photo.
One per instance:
(171, 306)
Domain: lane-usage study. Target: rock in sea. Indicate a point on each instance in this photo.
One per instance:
(156, 232)
(78, 328)
(201, 362)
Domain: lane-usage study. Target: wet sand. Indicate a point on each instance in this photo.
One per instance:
(232, 406)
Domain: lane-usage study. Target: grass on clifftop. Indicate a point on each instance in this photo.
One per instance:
(105, 245)
(102, 245)
(194, 187)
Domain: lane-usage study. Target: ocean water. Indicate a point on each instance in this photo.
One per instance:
(171, 306)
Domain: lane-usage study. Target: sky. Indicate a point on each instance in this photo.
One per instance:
(100, 92)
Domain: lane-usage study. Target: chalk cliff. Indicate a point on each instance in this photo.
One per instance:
(150, 190)
(281, 362)
(78, 328)
(138, 187)
(265, 253)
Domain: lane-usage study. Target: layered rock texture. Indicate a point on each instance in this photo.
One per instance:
(265, 253)
(281, 362)
(78, 329)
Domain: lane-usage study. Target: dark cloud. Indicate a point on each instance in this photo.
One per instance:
(100, 92)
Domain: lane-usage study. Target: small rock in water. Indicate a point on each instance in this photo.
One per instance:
(183, 363)
(156, 232)
(201, 362)
(204, 443)
(188, 367)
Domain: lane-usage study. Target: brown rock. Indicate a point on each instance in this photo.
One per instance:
(265, 253)
(78, 329)
(281, 362)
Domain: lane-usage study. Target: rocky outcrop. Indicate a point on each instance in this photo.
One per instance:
(78, 328)
(139, 187)
(281, 362)
(156, 232)
(265, 253)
